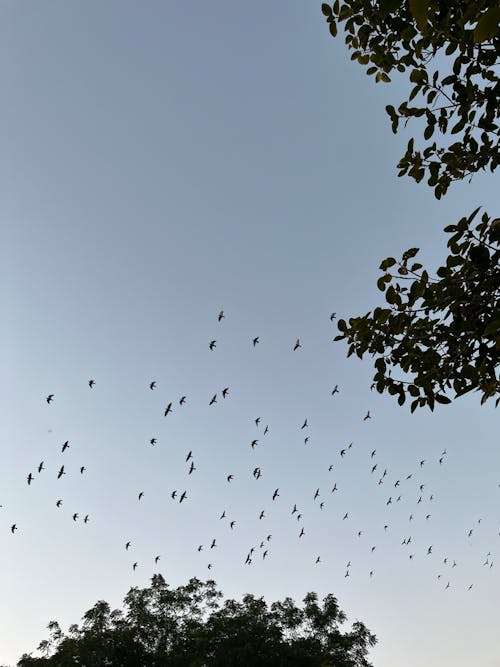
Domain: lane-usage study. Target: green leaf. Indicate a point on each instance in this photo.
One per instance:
(487, 26)
(492, 327)
(420, 10)
(387, 263)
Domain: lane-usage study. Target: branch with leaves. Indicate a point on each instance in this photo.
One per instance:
(408, 36)
(442, 332)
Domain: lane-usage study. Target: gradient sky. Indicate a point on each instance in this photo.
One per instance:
(162, 161)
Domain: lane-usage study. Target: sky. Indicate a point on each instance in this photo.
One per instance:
(164, 161)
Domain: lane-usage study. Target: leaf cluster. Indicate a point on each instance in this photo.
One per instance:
(459, 99)
(443, 332)
(190, 626)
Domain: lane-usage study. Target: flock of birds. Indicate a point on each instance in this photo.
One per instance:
(261, 550)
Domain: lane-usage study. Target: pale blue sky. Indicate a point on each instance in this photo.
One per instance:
(162, 161)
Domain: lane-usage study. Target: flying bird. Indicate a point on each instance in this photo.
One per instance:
(140, 495)
(168, 409)
(40, 467)
(225, 392)
(182, 400)
(333, 316)
(61, 472)
(127, 545)
(367, 416)
(213, 400)
(50, 398)
(335, 390)
(192, 468)
(134, 566)
(221, 316)
(230, 477)
(212, 345)
(152, 385)
(297, 345)
(65, 446)
(257, 421)
(82, 470)
(253, 443)
(153, 441)
(91, 383)
(75, 516)
(255, 341)
(183, 497)
(305, 424)
(59, 503)
(157, 558)
(275, 494)
(29, 479)
(13, 528)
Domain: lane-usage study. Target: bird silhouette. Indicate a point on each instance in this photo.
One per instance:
(333, 316)
(134, 566)
(75, 516)
(50, 398)
(13, 528)
(213, 399)
(276, 494)
(29, 479)
(65, 446)
(225, 392)
(221, 316)
(61, 472)
(192, 468)
(183, 497)
(153, 441)
(141, 494)
(86, 519)
(213, 344)
(297, 345)
(305, 424)
(182, 400)
(253, 443)
(59, 503)
(127, 545)
(255, 341)
(40, 467)
(168, 409)
(152, 385)
(335, 390)
(91, 383)
(82, 470)
(367, 416)
(157, 558)
(189, 455)
(230, 477)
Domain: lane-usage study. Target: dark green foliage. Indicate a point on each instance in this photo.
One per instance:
(460, 99)
(442, 332)
(191, 627)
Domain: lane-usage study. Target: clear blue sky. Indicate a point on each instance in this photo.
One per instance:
(160, 162)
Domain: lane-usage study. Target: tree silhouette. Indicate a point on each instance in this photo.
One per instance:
(191, 626)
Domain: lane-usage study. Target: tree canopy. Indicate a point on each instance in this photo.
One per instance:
(191, 626)
(441, 332)
(460, 99)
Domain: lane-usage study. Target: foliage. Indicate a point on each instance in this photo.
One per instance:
(190, 627)
(462, 37)
(442, 332)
